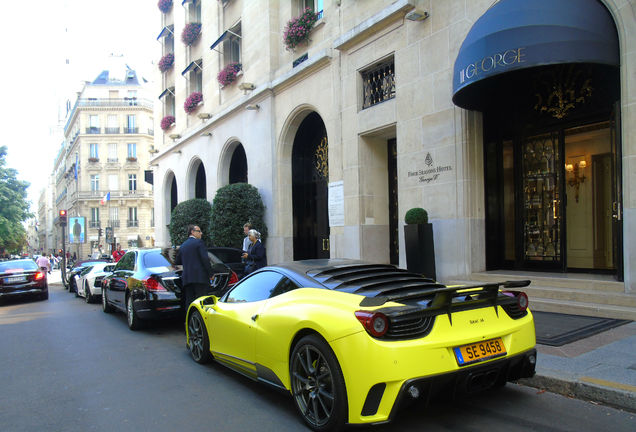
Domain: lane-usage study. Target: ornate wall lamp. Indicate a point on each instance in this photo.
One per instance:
(576, 176)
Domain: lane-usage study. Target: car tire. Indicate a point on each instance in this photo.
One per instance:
(76, 291)
(87, 293)
(313, 366)
(106, 307)
(198, 340)
(134, 322)
(44, 295)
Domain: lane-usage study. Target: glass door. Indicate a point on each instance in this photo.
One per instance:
(617, 198)
(541, 207)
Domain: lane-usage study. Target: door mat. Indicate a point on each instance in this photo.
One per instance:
(557, 329)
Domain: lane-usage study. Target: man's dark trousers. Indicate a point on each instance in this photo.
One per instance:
(193, 291)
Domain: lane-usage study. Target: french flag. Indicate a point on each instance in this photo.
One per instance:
(105, 198)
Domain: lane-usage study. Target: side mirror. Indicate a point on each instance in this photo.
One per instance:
(209, 301)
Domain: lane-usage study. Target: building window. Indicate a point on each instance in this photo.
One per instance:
(93, 124)
(113, 126)
(314, 5)
(378, 83)
(152, 217)
(94, 153)
(112, 152)
(94, 222)
(113, 182)
(132, 243)
(114, 217)
(131, 124)
(232, 45)
(168, 44)
(132, 150)
(132, 217)
(95, 182)
(132, 182)
(168, 105)
(194, 11)
(195, 76)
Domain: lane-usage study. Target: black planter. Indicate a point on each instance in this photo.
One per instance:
(420, 250)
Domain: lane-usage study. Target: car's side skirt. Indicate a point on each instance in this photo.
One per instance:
(254, 371)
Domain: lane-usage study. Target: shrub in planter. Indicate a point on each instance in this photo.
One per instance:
(233, 206)
(164, 5)
(297, 29)
(191, 33)
(192, 102)
(229, 73)
(167, 122)
(191, 212)
(418, 242)
(166, 62)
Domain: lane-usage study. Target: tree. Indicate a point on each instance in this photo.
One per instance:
(191, 212)
(233, 206)
(14, 207)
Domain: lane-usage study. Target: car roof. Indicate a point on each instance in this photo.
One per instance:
(355, 276)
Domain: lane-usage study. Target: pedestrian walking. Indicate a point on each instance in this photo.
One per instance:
(256, 255)
(44, 263)
(197, 270)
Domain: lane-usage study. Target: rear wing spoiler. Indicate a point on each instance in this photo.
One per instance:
(442, 298)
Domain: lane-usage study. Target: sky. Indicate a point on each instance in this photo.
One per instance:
(38, 80)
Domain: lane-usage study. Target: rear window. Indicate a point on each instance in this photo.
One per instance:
(156, 262)
(17, 266)
(228, 256)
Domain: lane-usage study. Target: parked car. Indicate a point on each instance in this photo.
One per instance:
(351, 340)
(22, 277)
(73, 272)
(231, 257)
(145, 286)
(89, 281)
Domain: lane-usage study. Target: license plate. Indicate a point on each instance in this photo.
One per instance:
(15, 279)
(479, 351)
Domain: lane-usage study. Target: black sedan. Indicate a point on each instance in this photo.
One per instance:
(22, 278)
(231, 257)
(146, 287)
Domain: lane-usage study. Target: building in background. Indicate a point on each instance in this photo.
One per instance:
(514, 145)
(99, 172)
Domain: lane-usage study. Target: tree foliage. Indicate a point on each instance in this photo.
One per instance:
(191, 212)
(233, 206)
(14, 207)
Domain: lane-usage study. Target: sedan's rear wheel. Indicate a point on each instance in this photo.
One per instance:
(198, 340)
(106, 307)
(317, 384)
(134, 323)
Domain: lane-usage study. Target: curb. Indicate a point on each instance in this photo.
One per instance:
(575, 387)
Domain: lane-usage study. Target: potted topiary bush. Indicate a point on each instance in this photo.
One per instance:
(418, 239)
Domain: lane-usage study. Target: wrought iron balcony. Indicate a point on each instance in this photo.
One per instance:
(93, 130)
(111, 130)
(133, 223)
(114, 223)
(129, 130)
(94, 224)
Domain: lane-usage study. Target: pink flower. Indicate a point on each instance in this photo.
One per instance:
(164, 5)
(192, 102)
(166, 62)
(298, 29)
(167, 122)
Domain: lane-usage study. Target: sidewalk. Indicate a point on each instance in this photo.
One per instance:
(601, 368)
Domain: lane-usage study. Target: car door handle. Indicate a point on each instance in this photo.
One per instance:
(254, 317)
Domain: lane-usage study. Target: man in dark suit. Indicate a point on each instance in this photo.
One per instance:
(197, 270)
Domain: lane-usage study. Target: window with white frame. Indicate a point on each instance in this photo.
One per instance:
(95, 182)
(131, 123)
(94, 153)
(112, 152)
(194, 11)
(232, 45)
(195, 76)
(132, 182)
(112, 124)
(168, 105)
(314, 5)
(132, 217)
(94, 216)
(93, 124)
(114, 217)
(168, 44)
(113, 182)
(132, 150)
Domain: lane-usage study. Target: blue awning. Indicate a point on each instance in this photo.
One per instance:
(191, 66)
(167, 30)
(166, 91)
(219, 40)
(520, 34)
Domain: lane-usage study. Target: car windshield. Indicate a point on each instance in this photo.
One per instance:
(156, 262)
(17, 266)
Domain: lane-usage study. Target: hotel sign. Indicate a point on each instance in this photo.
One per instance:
(491, 63)
(431, 172)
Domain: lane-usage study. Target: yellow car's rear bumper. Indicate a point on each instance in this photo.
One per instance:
(379, 373)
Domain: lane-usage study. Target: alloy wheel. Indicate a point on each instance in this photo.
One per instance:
(195, 334)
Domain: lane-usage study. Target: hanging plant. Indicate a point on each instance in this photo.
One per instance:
(297, 29)
(191, 33)
(229, 73)
(167, 122)
(165, 5)
(166, 62)
(192, 102)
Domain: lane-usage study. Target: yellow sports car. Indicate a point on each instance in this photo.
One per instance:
(352, 340)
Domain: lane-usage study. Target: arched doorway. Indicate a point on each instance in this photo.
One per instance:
(238, 165)
(200, 185)
(310, 174)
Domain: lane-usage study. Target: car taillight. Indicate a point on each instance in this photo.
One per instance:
(233, 279)
(522, 298)
(39, 275)
(152, 284)
(375, 323)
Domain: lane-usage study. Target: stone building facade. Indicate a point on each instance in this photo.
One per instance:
(372, 116)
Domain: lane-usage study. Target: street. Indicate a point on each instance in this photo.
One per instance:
(67, 366)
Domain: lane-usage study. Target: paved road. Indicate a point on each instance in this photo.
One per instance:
(67, 366)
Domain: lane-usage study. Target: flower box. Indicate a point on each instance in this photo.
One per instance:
(229, 74)
(167, 122)
(166, 62)
(131, 159)
(298, 29)
(194, 101)
(93, 159)
(191, 33)
(165, 6)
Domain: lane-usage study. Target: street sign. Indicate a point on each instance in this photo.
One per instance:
(109, 235)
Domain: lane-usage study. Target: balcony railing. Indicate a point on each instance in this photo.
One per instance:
(378, 84)
(113, 194)
(111, 130)
(93, 130)
(131, 130)
(112, 160)
(114, 102)
(132, 223)
(93, 224)
(114, 223)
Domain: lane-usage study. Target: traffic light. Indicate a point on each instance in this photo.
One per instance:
(99, 232)
(63, 217)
